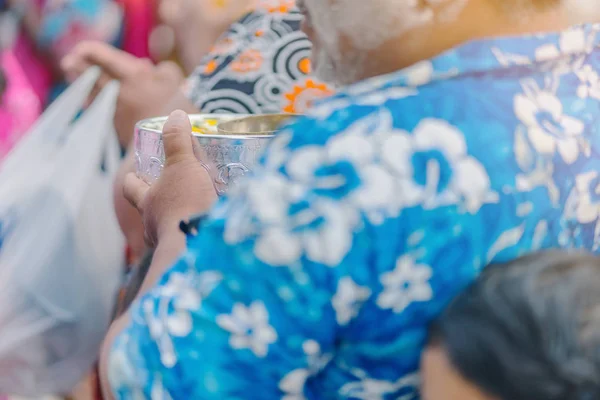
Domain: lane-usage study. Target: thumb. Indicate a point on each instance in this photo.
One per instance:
(134, 190)
(177, 133)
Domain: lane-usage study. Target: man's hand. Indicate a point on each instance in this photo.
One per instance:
(183, 189)
(145, 88)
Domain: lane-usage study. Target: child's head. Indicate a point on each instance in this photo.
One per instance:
(526, 330)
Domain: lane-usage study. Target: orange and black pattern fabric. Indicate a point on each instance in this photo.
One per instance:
(260, 65)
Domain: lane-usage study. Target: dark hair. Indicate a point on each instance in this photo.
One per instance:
(529, 329)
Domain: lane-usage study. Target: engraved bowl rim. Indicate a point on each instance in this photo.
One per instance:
(142, 126)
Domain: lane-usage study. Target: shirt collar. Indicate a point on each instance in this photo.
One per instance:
(530, 52)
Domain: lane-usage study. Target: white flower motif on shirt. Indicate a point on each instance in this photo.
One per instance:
(293, 383)
(508, 59)
(183, 292)
(418, 74)
(548, 128)
(571, 41)
(585, 198)
(375, 389)
(285, 228)
(348, 299)
(589, 82)
(407, 283)
(322, 230)
(249, 328)
(323, 233)
(377, 190)
(124, 374)
(435, 168)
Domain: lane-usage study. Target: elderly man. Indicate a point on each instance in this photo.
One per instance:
(319, 276)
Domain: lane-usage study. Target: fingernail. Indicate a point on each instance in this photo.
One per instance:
(178, 117)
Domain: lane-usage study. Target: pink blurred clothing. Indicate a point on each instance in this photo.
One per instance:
(20, 106)
(139, 21)
(36, 71)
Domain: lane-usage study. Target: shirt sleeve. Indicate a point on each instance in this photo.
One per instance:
(279, 294)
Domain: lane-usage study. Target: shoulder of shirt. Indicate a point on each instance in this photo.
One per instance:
(382, 95)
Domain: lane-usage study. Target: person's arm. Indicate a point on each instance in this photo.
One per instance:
(228, 278)
(165, 255)
(128, 217)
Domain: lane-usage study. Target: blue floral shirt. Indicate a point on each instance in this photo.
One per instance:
(318, 277)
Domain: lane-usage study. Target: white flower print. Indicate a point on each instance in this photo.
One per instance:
(407, 283)
(571, 41)
(590, 82)
(186, 297)
(122, 373)
(184, 292)
(587, 197)
(324, 110)
(548, 128)
(322, 232)
(317, 360)
(508, 59)
(348, 299)
(292, 384)
(386, 181)
(435, 168)
(328, 243)
(419, 74)
(378, 190)
(249, 328)
(374, 389)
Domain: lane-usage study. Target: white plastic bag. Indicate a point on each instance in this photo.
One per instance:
(61, 249)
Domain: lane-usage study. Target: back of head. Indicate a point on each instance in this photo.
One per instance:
(529, 329)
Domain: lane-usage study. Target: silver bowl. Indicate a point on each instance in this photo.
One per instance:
(265, 124)
(226, 156)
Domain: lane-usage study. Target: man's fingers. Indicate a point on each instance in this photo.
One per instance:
(73, 67)
(102, 81)
(170, 72)
(176, 137)
(134, 190)
(116, 63)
